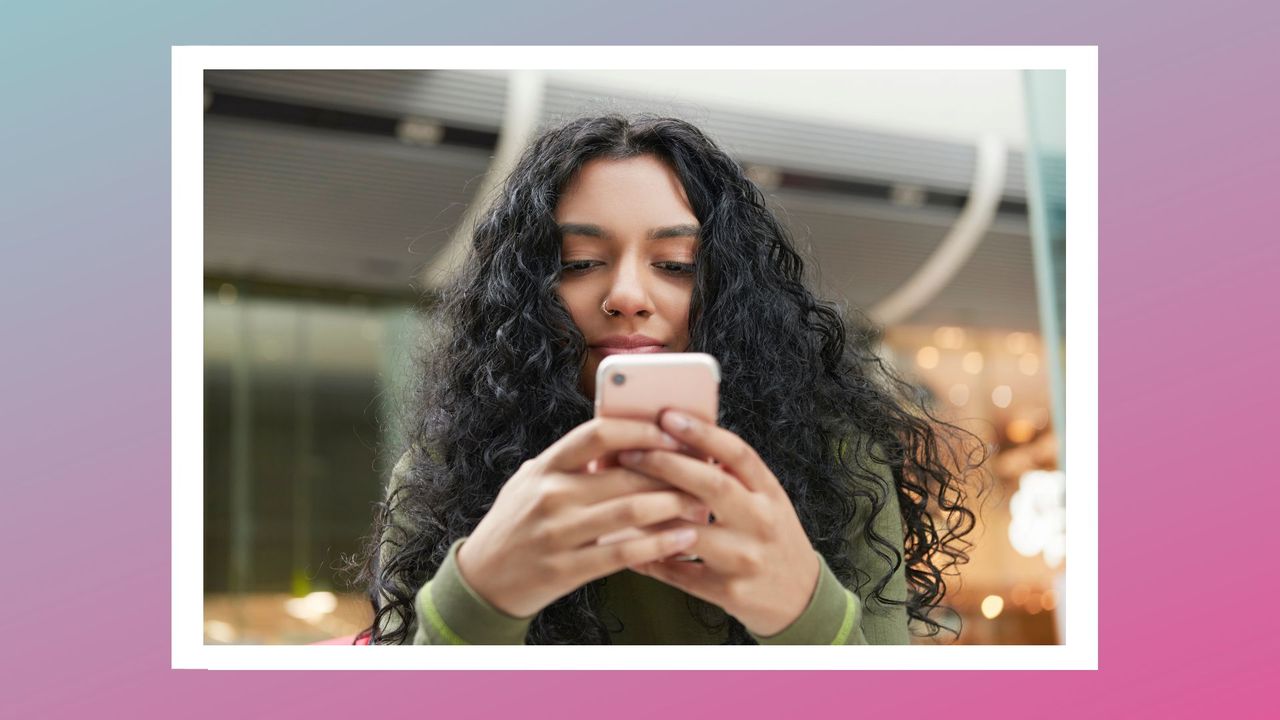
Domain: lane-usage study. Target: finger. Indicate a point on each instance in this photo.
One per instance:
(671, 525)
(731, 451)
(728, 552)
(725, 494)
(632, 511)
(675, 523)
(597, 561)
(697, 579)
(591, 488)
(610, 460)
(600, 436)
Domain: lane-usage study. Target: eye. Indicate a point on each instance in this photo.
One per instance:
(675, 268)
(577, 266)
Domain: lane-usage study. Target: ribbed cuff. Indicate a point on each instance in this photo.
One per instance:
(455, 614)
(831, 617)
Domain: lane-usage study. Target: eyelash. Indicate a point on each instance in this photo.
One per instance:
(672, 268)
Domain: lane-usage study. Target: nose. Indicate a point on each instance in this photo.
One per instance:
(629, 291)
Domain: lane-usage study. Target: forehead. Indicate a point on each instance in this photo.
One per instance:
(640, 190)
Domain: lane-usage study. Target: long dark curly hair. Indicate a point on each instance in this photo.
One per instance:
(801, 383)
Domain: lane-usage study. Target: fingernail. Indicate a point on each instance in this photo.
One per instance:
(670, 441)
(675, 421)
(630, 457)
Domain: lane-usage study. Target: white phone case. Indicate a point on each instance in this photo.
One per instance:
(640, 386)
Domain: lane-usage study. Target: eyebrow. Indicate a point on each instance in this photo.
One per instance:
(596, 231)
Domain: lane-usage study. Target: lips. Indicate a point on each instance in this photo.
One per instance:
(607, 351)
(627, 344)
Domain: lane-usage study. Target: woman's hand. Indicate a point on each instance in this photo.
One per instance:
(757, 561)
(538, 541)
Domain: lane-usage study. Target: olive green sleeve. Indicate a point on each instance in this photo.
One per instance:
(833, 616)
(450, 612)
(883, 623)
(446, 609)
(838, 615)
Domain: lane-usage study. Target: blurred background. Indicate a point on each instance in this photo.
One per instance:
(335, 201)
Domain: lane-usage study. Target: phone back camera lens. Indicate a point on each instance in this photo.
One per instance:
(619, 379)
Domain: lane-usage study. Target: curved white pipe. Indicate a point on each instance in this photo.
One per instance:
(524, 106)
(960, 241)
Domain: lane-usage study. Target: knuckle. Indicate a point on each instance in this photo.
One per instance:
(627, 513)
(548, 565)
(654, 484)
(762, 519)
(659, 460)
(558, 488)
(628, 480)
(543, 535)
(718, 484)
(619, 554)
(541, 509)
(678, 503)
(560, 567)
(553, 494)
(643, 484)
(735, 591)
(768, 531)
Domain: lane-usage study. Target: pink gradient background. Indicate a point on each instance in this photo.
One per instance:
(1188, 258)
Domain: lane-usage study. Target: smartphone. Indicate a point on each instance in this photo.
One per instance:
(640, 386)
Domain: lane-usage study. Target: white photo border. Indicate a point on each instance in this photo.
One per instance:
(1078, 652)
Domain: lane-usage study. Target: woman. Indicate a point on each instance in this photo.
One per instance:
(836, 505)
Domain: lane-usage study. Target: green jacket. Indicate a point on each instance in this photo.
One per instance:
(648, 611)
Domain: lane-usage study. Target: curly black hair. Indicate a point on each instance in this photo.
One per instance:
(801, 383)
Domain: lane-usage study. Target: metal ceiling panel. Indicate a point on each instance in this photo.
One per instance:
(822, 149)
(338, 209)
(473, 99)
(329, 208)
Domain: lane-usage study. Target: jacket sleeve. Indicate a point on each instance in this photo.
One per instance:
(446, 610)
(838, 615)
(449, 612)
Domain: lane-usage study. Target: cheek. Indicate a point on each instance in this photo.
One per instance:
(576, 302)
(677, 310)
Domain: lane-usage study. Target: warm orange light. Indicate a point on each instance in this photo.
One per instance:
(1017, 342)
(927, 357)
(1002, 396)
(992, 605)
(1020, 430)
(1029, 363)
(951, 338)
(972, 362)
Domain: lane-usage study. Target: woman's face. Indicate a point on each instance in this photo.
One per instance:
(627, 249)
